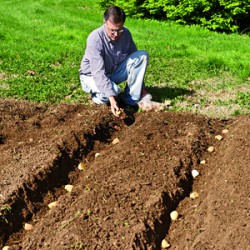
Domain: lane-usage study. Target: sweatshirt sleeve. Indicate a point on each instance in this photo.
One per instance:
(97, 66)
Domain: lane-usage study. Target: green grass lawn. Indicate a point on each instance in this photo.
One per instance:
(42, 43)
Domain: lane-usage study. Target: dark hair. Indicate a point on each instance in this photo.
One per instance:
(115, 14)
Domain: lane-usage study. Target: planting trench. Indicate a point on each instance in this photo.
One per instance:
(123, 197)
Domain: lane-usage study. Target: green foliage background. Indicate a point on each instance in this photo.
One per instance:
(216, 15)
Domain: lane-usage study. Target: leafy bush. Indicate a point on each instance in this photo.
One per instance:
(218, 15)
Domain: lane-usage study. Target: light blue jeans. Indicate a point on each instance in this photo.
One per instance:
(132, 70)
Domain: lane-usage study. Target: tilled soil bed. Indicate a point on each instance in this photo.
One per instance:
(135, 171)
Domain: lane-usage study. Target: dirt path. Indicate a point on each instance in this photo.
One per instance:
(124, 195)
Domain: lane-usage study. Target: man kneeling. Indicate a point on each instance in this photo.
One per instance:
(111, 57)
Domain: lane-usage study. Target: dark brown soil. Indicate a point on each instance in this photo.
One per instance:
(123, 197)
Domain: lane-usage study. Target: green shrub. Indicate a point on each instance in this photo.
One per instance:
(218, 15)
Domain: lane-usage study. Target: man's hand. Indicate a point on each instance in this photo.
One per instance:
(114, 106)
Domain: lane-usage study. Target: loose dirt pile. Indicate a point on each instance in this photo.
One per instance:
(124, 193)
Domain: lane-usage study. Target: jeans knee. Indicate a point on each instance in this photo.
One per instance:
(140, 54)
(99, 98)
(144, 54)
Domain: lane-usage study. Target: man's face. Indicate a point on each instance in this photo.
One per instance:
(114, 30)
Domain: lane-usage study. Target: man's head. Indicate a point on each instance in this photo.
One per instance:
(114, 18)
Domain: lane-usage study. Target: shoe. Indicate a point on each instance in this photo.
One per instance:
(148, 97)
(151, 105)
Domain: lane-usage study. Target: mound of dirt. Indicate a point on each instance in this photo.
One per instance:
(135, 170)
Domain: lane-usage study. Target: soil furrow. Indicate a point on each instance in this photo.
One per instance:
(123, 196)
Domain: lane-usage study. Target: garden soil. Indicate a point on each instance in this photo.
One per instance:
(127, 175)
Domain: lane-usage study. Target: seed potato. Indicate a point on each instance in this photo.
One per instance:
(81, 166)
(210, 149)
(97, 155)
(203, 162)
(28, 227)
(115, 141)
(118, 112)
(194, 195)
(165, 244)
(53, 204)
(218, 137)
(194, 173)
(174, 215)
(7, 248)
(69, 188)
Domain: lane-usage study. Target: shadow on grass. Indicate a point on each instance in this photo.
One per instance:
(160, 94)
